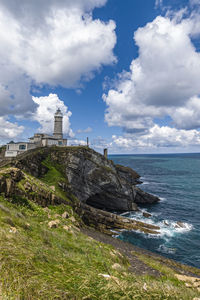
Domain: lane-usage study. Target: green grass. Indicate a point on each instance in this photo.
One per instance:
(167, 272)
(38, 262)
(56, 175)
(166, 266)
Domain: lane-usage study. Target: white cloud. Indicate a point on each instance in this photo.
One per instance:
(31, 12)
(44, 114)
(188, 116)
(194, 2)
(9, 130)
(49, 42)
(87, 130)
(157, 138)
(77, 142)
(158, 3)
(69, 50)
(162, 81)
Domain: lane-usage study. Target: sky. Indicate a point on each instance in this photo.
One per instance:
(125, 73)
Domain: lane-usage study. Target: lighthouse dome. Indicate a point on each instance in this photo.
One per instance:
(58, 113)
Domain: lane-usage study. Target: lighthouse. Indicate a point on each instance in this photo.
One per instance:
(58, 120)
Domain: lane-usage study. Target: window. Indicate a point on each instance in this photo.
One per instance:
(59, 143)
(22, 147)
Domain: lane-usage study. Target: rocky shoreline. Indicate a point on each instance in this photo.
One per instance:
(58, 201)
(108, 222)
(134, 254)
(100, 187)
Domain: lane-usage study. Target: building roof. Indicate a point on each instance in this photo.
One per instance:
(41, 135)
(49, 138)
(12, 143)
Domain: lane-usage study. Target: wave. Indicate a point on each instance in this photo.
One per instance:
(168, 228)
(168, 250)
(162, 199)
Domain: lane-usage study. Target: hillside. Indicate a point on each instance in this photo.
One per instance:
(47, 250)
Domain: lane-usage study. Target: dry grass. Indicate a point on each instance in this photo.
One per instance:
(42, 263)
(38, 262)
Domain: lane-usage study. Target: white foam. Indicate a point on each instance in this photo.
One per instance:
(164, 249)
(145, 182)
(125, 214)
(185, 227)
(168, 228)
(115, 236)
(162, 199)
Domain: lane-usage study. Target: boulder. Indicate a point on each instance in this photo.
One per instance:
(10, 187)
(180, 225)
(105, 221)
(117, 267)
(146, 215)
(16, 174)
(13, 229)
(72, 219)
(65, 215)
(54, 224)
(187, 278)
(67, 228)
(166, 223)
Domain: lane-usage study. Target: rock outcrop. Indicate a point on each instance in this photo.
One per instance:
(107, 222)
(93, 185)
(17, 185)
(91, 177)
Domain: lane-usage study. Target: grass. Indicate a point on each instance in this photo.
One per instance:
(38, 262)
(56, 175)
(166, 266)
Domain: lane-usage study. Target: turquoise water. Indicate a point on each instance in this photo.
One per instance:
(175, 178)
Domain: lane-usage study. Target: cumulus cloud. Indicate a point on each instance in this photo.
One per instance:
(9, 130)
(163, 80)
(188, 116)
(37, 10)
(158, 137)
(49, 42)
(44, 114)
(77, 142)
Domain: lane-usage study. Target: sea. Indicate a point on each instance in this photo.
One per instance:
(175, 179)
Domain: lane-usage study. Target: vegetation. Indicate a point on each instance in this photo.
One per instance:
(38, 262)
(2, 148)
(44, 255)
(56, 176)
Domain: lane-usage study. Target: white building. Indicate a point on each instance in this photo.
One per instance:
(40, 139)
(13, 149)
(44, 140)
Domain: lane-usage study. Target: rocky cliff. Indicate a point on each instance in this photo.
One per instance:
(89, 176)
(44, 213)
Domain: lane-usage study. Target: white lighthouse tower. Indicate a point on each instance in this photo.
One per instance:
(58, 121)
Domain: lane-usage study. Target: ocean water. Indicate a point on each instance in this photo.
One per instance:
(175, 178)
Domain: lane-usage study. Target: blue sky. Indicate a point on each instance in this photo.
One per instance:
(125, 73)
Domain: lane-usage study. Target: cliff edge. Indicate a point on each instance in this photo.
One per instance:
(92, 178)
(48, 196)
